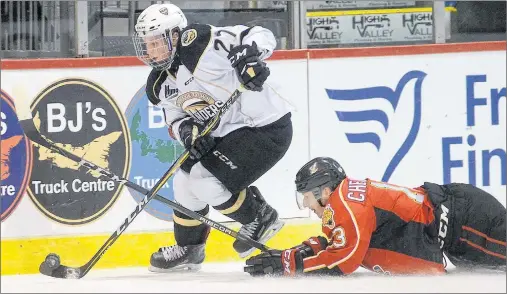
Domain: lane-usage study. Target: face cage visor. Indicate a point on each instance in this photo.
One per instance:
(300, 198)
(156, 51)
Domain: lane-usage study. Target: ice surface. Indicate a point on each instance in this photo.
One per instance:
(230, 278)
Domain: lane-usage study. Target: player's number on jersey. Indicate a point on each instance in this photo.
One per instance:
(339, 239)
(417, 197)
(218, 42)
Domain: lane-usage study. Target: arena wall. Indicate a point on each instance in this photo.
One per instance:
(404, 114)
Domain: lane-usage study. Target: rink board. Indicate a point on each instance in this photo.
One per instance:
(404, 114)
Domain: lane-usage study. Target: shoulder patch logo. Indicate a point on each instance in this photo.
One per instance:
(188, 37)
(328, 217)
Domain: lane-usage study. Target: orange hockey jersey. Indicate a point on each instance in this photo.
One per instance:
(380, 226)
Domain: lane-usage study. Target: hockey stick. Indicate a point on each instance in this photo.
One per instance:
(52, 267)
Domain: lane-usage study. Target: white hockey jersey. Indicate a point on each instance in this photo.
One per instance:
(205, 79)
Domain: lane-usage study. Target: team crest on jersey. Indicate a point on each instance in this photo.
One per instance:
(328, 217)
(188, 37)
(199, 105)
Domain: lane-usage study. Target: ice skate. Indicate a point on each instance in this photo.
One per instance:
(264, 227)
(177, 258)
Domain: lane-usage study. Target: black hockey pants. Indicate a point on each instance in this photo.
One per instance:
(471, 225)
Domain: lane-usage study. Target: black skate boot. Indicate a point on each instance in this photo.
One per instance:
(264, 227)
(177, 258)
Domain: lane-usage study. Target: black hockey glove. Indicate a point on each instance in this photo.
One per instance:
(190, 128)
(275, 262)
(251, 71)
(287, 262)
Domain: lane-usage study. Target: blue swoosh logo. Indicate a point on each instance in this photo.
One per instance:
(378, 115)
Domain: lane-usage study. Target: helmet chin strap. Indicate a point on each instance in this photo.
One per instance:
(320, 202)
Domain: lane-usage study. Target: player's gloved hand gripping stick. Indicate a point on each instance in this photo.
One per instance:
(51, 265)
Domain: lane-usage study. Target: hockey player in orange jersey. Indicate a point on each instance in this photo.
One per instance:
(388, 228)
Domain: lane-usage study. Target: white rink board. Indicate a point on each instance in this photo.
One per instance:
(123, 83)
(319, 132)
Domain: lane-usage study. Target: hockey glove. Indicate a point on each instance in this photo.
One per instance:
(287, 262)
(251, 71)
(190, 128)
(275, 262)
(313, 246)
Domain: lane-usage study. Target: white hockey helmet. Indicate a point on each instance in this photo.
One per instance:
(155, 40)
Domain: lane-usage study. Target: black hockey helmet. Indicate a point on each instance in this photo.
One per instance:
(317, 174)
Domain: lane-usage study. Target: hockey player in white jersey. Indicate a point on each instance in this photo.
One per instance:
(196, 68)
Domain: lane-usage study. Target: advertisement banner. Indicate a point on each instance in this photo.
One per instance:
(327, 29)
(311, 5)
(80, 116)
(16, 157)
(414, 118)
(153, 151)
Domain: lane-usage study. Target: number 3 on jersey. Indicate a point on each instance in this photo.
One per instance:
(339, 239)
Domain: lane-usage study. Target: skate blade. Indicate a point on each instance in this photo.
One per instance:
(270, 233)
(178, 269)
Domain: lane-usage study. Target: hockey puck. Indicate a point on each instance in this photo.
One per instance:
(52, 261)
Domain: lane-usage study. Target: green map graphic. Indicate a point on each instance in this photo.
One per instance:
(165, 151)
